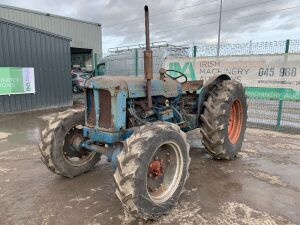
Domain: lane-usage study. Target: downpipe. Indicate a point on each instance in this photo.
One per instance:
(148, 60)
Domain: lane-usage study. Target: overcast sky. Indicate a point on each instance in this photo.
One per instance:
(180, 22)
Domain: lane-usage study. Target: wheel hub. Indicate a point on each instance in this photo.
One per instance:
(164, 172)
(73, 153)
(156, 168)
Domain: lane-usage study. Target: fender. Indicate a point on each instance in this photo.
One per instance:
(206, 89)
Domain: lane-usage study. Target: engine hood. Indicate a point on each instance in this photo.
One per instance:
(135, 87)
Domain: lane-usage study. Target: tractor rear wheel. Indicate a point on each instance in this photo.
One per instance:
(59, 145)
(224, 120)
(152, 170)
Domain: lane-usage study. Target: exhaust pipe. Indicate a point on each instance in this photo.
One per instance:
(148, 60)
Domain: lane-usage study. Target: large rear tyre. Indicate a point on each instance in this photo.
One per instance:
(59, 145)
(224, 120)
(152, 170)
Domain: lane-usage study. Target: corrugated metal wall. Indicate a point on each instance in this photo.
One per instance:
(83, 34)
(49, 54)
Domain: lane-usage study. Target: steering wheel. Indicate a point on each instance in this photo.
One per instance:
(176, 78)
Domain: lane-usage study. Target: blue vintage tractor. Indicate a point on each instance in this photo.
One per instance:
(139, 124)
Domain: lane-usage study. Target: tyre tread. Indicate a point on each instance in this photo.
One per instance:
(128, 164)
(213, 124)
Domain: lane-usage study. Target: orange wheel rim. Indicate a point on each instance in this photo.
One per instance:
(235, 121)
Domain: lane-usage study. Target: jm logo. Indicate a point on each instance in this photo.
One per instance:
(187, 69)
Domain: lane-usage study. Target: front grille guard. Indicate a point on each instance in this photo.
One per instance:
(100, 99)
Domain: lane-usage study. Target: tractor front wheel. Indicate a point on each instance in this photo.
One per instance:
(60, 142)
(152, 170)
(224, 120)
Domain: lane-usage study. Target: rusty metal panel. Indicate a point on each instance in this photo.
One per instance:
(106, 119)
(48, 54)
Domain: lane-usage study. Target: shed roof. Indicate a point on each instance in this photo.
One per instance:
(33, 29)
(48, 14)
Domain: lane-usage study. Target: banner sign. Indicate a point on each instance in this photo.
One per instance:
(16, 80)
(264, 76)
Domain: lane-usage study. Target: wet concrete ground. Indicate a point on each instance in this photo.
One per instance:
(262, 186)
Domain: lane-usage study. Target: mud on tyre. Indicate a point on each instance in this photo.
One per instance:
(152, 170)
(57, 141)
(224, 120)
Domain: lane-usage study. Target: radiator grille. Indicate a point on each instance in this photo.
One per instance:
(105, 120)
(105, 110)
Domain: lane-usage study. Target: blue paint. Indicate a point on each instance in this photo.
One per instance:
(100, 136)
(97, 106)
(158, 88)
(135, 87)
(111, 154)
(118, 110)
